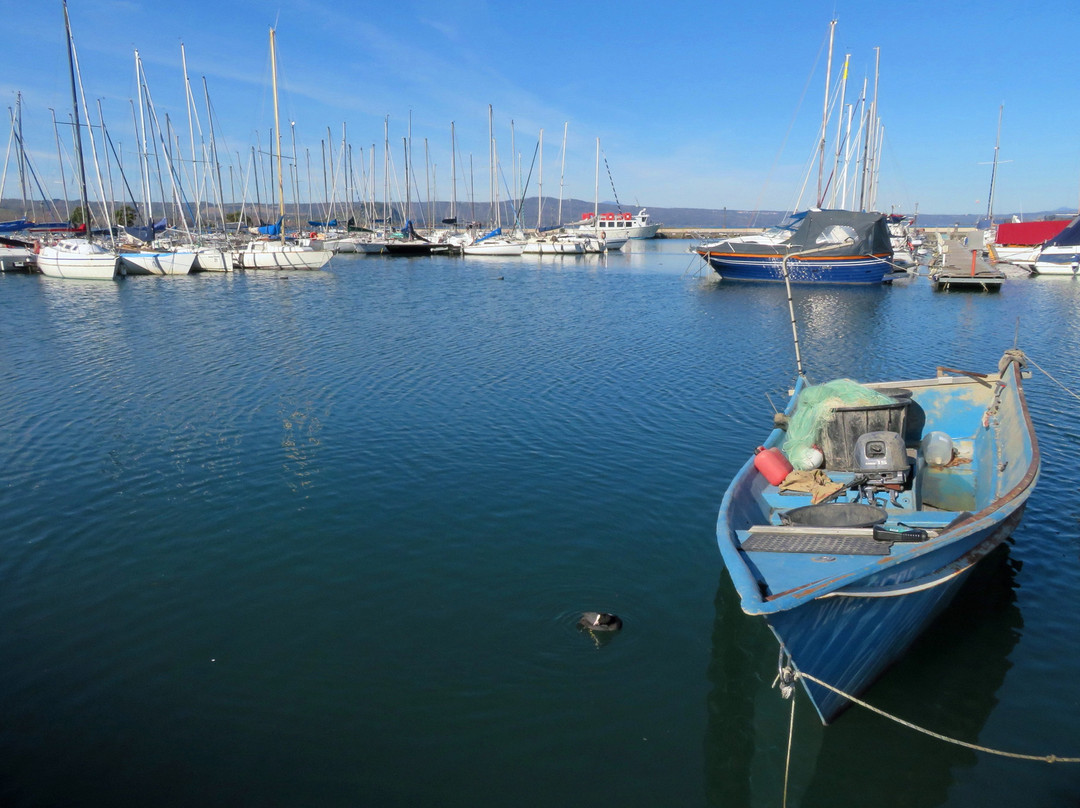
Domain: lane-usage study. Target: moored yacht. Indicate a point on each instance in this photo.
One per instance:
(619, 225)
(814, 246)
(79, 259)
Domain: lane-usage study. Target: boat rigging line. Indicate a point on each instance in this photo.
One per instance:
(788, 675)
(611, 179)
(1055, 381)
(791, 304)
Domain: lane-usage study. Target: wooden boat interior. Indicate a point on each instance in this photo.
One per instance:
(931, 500)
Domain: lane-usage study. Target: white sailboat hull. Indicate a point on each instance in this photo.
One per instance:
(158, 263)
(78, 259)
(495, 247)
(276, 255)
(554, 248)
(212, 259)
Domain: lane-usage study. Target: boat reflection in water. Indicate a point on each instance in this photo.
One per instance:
(947, 682)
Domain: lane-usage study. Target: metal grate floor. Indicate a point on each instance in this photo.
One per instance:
(832, 543)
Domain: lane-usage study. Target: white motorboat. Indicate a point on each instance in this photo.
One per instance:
(619, 225)
(1020, 243)
(1060, 255)
(15, 258)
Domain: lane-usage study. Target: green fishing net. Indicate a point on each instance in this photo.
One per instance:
(816, 405)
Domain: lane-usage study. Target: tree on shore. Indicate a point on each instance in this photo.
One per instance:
(125, 216)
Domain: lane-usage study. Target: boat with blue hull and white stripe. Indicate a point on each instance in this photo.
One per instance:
(821, 246)
(848, 563)
(1060, 255)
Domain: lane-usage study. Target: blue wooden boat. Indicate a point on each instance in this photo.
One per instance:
(846, 596)
(821, 246)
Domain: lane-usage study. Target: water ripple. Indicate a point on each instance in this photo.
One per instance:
(288, 534)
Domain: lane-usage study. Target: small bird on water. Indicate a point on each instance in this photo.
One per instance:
(600, 621)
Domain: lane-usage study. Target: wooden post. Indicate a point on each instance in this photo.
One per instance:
(973, 254)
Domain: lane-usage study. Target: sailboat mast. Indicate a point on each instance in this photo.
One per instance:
(219, 188)
(865, 135)
(871, 132)
(408, 190)
(295, 172)
(408, 168)
(825, 112)
(78, 123)
(144, 167)
(453, 174)
(993, 171)
(197, 173)
(596, 189)
(60, 162)
(386, 171)
(562, 170)
(839, 132)
(491, 170)
(22, 151)
(108, 165)
(277, 134)
(540, 184)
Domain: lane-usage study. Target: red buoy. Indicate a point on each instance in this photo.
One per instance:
(772, 464)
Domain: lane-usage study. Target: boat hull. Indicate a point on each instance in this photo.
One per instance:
(77, 259)
(1056, 261)
(275, 255)
(212, 259)
(16, 259)
(408, 247)
(154, 263)
(1021, 255)
(492, 247)
(849, 640)
(859, 269)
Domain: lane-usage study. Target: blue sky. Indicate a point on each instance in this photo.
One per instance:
(706, 105)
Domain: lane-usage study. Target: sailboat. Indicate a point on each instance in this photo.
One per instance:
(818, 244)
(495, 242)
(144, 259)
(77, 258)
(273, 251)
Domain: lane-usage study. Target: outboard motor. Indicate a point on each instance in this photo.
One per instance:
(881, 464)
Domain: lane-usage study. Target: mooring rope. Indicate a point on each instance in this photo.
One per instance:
(787, 761)
(1055, 381)
(1016, 755)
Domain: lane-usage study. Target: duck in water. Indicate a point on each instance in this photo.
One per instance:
(600, 621)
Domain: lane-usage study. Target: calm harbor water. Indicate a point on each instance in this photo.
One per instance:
(323, 539)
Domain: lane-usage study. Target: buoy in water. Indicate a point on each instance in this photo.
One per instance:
(600, 621)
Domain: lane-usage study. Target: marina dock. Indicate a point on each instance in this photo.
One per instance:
(962, 267)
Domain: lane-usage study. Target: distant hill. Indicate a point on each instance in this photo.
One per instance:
(572, 211)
